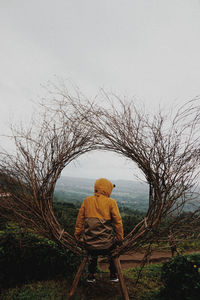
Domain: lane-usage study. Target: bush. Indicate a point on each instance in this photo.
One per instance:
(181, 278)
(25, 257)
(66, 214)
(51, 290)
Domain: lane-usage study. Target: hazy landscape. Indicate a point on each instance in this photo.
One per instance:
(133, 194)
(128, 193)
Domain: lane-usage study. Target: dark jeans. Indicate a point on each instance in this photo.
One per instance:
(92, 266)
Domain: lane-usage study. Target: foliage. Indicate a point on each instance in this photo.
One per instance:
(53, 290)
(181, 278)
(50, 290)
(148, 282)
(66, 214)
(103, 290)
(147, 288)
(25, 256)
(129, 223)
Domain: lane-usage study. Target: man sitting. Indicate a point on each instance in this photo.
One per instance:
(100, 225)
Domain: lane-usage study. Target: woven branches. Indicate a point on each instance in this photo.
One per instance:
(164, 147)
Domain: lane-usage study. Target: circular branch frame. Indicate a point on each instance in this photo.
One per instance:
(166, 152)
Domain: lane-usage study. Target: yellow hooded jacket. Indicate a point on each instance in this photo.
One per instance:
(97, 217)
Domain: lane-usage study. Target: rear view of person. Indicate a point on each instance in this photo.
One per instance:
(99, 224)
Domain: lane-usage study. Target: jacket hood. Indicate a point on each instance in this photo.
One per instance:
(103, 186)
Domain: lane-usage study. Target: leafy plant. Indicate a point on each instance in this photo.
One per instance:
(181, 278)
(25, 257)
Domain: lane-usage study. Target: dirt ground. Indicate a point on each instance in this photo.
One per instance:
(130, 261)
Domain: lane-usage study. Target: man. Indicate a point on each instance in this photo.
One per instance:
(100, 225)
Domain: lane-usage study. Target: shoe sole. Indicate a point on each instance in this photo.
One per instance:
(91, 281)
(114, 280)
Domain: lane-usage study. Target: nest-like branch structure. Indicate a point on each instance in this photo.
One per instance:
(164, 146)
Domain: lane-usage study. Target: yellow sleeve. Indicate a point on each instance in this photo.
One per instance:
(117, 221)
(79, 227)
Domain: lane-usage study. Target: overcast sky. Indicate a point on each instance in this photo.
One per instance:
(144, 48)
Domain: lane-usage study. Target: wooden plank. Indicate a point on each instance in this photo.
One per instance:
(77, 277)
(121, 278)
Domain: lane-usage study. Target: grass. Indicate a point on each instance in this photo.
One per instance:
(51, 290)
(146, 289)
(148, 282)
(43, 290)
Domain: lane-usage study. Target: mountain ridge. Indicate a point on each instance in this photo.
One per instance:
(133, 194)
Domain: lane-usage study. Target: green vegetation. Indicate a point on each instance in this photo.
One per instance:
(147, 287)
(66, 214)
(147, 279)
(33, 267)
(181, 278)
(26, 257)
(46, 290)
(56, 270)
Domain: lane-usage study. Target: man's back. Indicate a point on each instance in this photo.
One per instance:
(97, 217)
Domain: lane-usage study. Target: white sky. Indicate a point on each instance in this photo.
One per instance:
(144, 48)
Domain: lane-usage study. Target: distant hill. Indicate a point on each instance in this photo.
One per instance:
(133, 194)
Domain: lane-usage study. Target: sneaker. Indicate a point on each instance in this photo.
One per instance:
(91, 278)
(114, 277)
